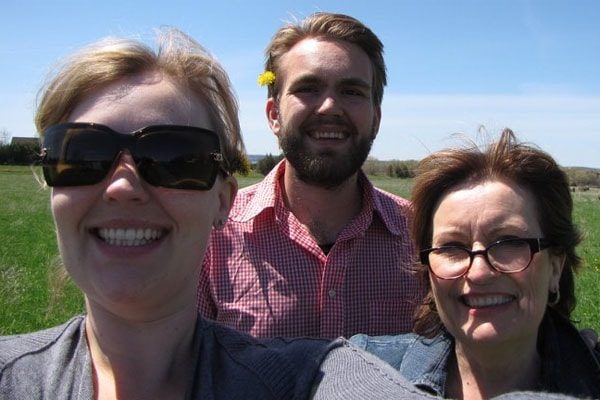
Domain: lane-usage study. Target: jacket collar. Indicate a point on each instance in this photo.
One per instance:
(426, 361)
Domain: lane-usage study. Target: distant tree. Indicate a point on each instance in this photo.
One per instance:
(241, 164)
(4, 135)
(19, 153)
(373, 166)
(401, 169)
(582, 177)
(266, 164)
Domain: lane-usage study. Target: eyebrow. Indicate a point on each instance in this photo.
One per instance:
(355, 82)
(313, 79)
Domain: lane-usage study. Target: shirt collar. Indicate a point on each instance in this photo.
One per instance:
(374, 200)
(268, 194)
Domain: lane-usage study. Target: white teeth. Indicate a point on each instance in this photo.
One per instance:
(328, 135)
(129, 237)
(486, 301)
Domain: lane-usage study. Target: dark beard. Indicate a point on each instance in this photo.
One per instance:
(326, 169)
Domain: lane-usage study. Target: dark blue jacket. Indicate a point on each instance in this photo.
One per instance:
(568, 365)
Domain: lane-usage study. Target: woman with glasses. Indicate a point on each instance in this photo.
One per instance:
(497, 244)
(139, 148)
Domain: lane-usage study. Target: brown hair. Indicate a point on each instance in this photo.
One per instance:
(525, 165)
(331, 26)
(178, 56)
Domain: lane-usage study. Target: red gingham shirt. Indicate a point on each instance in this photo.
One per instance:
(264, 274)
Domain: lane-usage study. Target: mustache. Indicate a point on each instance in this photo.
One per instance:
(336, 120)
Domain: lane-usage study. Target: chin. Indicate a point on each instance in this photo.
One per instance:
(485, 333)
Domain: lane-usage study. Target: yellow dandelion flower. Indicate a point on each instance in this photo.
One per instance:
(266, 78)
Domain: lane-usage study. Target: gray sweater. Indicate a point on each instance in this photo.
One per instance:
(56, 364)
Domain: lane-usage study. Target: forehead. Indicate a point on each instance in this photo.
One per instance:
(326, 59)
(489, 205)
(134, 102)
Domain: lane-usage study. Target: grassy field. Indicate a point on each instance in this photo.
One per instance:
(35, 294)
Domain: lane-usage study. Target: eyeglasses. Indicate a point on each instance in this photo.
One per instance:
(171, 156)
(507, 256)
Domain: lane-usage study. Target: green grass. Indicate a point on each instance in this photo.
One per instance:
(35, 294)
(29, 258)
(587, 216)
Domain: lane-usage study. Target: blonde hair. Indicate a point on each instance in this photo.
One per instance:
(177, 55)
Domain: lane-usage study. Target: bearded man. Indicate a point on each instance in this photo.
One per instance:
(314, 249)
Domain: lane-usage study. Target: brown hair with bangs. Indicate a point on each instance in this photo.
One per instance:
(525, 165)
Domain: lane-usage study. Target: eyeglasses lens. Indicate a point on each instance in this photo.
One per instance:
(510, 255)
(506, 256)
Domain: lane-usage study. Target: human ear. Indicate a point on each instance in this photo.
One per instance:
(557, 263)
(272, 111)
(226, 195)
(376, 121)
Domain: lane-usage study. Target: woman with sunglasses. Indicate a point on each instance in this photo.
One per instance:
(139, 148)
(497, 250)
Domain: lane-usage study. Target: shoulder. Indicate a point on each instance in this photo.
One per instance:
(351, 373)
(389, 203)
(245, 347)
(245, 195)
(52, 364)
(278, 366)
(380, 196)
(17, 347)
(394, 211)
(390, 198)
(568, 364)
(254, 199)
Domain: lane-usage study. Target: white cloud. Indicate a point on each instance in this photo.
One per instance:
(566, 126)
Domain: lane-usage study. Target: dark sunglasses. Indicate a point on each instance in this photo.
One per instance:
(171, 156)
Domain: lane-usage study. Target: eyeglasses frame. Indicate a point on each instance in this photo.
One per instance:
(535, 246)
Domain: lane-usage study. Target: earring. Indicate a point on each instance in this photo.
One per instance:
(554, 298)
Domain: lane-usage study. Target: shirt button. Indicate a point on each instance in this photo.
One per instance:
(332, 293)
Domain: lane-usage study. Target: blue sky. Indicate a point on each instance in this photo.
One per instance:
(531, 65)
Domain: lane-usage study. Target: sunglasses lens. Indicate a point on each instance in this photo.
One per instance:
(76, 156)
(179, 159)
(176, 157)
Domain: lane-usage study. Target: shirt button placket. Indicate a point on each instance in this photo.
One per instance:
(332, 314)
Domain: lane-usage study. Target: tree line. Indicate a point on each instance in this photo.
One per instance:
(578, 177)
(19, 153)
(27, 153)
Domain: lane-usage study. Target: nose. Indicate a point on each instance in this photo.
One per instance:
(124, 182)
(329, 105)
(480, 269)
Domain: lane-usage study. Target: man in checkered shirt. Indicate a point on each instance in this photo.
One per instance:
(314, 249)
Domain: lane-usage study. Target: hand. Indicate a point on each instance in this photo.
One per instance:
(591, 338)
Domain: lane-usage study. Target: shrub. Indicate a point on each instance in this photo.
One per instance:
(583, 177)
(266, 164)
(19, 153)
